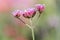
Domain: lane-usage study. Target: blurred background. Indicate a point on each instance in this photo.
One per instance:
(46, 28)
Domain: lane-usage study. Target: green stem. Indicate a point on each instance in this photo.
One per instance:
(32, 29)
(33, 34)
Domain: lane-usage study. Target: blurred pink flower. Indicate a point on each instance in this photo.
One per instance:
(29, 13)
(40, 7)
(17, 13)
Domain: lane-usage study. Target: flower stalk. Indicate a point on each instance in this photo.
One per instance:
(33, 34)
(29, 13)
(32, 29)
(30, 26)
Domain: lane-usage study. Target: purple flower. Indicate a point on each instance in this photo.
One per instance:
(17, 13)
(29, 13)
(40, 7)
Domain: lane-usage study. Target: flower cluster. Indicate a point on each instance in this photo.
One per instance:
(30, 12)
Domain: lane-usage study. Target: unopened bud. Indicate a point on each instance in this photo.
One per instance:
(40, 7)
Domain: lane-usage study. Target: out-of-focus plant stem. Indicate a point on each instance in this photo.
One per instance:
(30, 26)
(32, 29)
(33, 34)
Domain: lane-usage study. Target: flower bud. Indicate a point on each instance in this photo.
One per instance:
(29, 13)
(17, 13)
(40, 7)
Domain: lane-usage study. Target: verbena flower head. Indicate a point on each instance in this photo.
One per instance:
(17, 13)
(29, 13)
(40, 7)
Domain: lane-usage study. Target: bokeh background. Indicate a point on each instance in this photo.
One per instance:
(46, 28)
